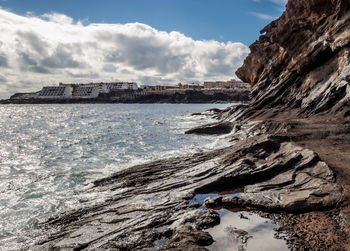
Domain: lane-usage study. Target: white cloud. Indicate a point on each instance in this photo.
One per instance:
(279, 2)
(58, 18)
(37, 51)
(263, 16)
(3, 79)
(268, 17)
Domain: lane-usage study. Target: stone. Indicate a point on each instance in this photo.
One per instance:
(214, 128)
(301, 60)
(151, 201)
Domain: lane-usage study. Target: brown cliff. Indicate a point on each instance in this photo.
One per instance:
(301, 60)
(300, 75)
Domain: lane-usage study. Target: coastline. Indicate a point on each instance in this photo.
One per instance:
(288, 157)
(184, 97)
(104, 145)
(132, 218)
(102, 101)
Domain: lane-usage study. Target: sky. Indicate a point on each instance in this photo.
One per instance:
(44, 42)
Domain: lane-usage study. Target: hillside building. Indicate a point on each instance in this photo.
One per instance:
(215, 85)
(86, 92)
(237, 84)
(122, 86)
(56, 92)
(231, 84)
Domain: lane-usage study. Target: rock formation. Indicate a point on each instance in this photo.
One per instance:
(150, 202)
(302, 61)
(214, 128)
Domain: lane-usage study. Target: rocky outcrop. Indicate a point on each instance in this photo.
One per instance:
(210, 129)
(150, 203)
(302, 61)
(304, 180)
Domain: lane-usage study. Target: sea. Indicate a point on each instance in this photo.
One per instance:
(51, 154)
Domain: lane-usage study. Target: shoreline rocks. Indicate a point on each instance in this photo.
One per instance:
(151, 201)
(211, 129)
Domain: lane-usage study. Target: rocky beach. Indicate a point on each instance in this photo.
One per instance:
(288, 158)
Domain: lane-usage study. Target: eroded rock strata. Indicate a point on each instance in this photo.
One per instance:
(151, 201)
(289, 156)
(214, 128)
(302, 61)
(300, 75)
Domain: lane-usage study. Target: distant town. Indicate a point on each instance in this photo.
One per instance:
(131, 92)
(95, 90)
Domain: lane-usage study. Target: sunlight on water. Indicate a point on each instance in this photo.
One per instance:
(244, 231)
(50, 153)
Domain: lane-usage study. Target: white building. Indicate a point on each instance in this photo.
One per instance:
(132, 86)
(235, 83)
(122, 86)
(86, 92)
(91, 90)
(56, 92)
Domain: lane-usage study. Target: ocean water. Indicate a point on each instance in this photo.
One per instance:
(50, 154)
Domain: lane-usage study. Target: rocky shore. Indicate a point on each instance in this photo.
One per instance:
(288, 160)
(147, 203)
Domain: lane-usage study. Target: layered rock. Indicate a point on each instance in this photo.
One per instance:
(214, 128)
(304, 179)
(150, 202)
(301, 60)
(299, 70)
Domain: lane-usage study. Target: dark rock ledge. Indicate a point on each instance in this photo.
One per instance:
(214, 128)
(149, 204)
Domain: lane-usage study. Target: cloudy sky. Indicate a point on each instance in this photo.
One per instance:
(44, 42)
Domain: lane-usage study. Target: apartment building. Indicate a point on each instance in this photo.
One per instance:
(56, 92)
(86, 92)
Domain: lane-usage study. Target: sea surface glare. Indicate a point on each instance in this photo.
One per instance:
(50, 154)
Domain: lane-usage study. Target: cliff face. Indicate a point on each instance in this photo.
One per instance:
(301, 60)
